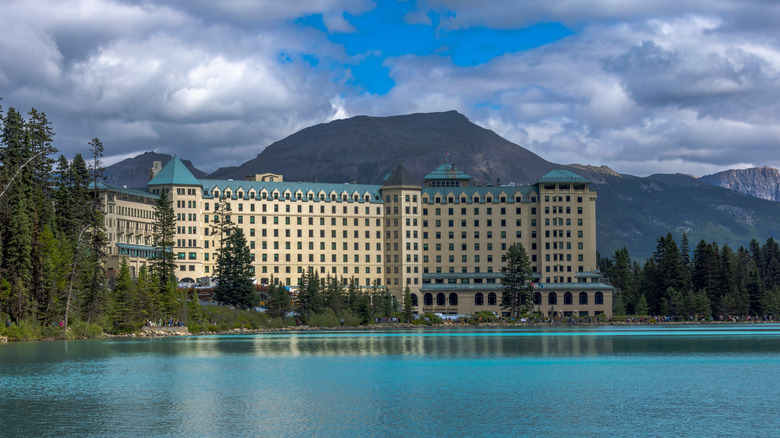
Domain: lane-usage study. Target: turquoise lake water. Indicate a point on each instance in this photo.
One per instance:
(626, 381)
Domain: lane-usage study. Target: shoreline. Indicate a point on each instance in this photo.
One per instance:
(162, 332)
(155, 332)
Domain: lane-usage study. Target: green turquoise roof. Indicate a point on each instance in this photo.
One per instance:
(447, 171)
(125, 190)
(174, 173)
(564, 176)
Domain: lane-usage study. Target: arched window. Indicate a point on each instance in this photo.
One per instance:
(552, 298)
(537, 298)
(492, 299)
(440, 299)
(567, 299)
(479, 299)
(415, 303)
(428, 299)
(599, 299)
(583, 298)
(453, 299)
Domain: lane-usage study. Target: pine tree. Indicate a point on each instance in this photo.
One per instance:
(408, 310)
(148, 291)
(620, 275)
(518, 289)
(95, 287)
(234, 269)
(334, 295)
(279, 302)
(163, 232)
(641, 306)
(16, 211)
(705, 269)
(123, 302)
(309, 295)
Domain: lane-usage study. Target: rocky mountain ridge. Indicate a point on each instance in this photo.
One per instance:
(761, 182)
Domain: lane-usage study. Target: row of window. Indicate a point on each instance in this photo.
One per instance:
(475, 199)
(552, 298)
(131, 212)
(502, 211)
(492, 299)
(287, 195)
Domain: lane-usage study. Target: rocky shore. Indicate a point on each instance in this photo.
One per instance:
(183, 331)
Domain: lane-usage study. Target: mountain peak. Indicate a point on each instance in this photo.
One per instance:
(365, 148)
(760, 182)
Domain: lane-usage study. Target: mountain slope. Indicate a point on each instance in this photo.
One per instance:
(633, 212)
(365, 149)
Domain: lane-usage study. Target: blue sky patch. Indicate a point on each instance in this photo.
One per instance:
(383, 33)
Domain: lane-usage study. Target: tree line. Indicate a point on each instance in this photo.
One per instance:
(710, 280)
(53, 239)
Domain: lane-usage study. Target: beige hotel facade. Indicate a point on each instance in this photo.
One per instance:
(443, 237)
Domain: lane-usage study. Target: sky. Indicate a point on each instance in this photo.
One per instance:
(663, 86)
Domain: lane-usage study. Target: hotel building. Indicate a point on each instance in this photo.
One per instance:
(445, 238)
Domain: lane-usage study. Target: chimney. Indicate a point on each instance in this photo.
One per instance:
(156, 168)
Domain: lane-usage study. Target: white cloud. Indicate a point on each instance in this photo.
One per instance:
(675, 86)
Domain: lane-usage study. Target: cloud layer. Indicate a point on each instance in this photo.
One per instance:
(643, 87)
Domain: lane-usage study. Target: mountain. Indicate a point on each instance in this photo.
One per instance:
(134, 172)
(365, 149)
(761, 182)
(634, 212)
(631, 211)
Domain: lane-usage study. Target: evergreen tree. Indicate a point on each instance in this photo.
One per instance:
(771, 256)
(363, 306)
(234, 270)
(641, 306)
(279, 302)
(620, 275)
(95, 287)
(685, 260)
(353, 296)
(121, 313)
(16, 211)
(408, 310)
(516, 281)
(309, 295)
(665, 272)
(333, 296)
(705, 266)
(163, 235)
(148, 292)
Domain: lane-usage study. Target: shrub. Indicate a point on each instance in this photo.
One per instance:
(276, 323)
(326, 319)
(486, 315)
(22, 331)
(432, 318)
(350, 319)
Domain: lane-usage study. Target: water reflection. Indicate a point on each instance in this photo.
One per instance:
(490, 343)
(410, 382)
